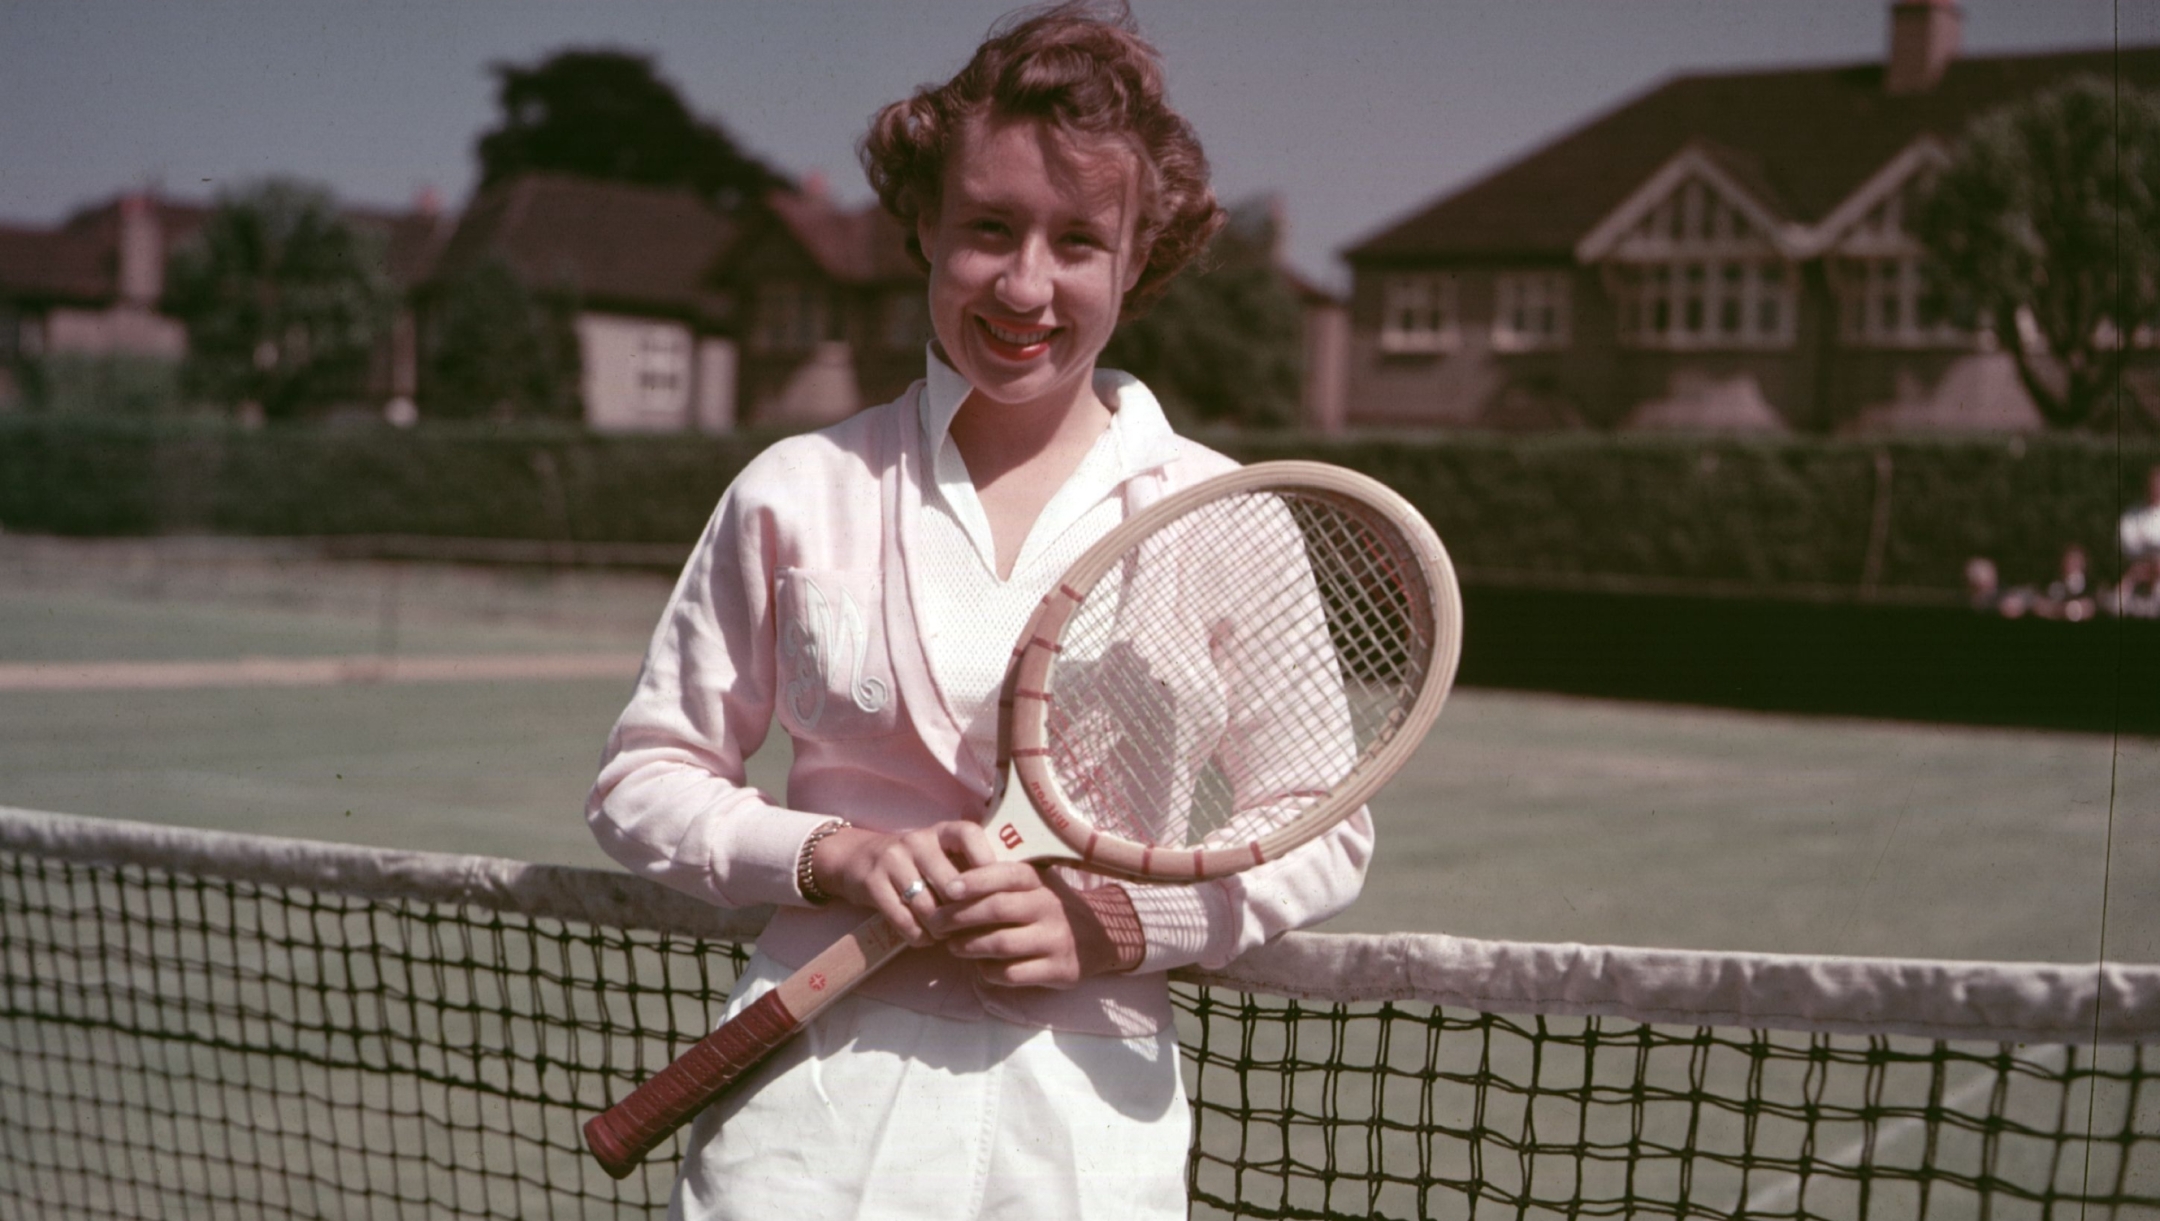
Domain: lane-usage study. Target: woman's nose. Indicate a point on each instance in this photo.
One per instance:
(1024, 285)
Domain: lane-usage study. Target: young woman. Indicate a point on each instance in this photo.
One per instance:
(865, 584)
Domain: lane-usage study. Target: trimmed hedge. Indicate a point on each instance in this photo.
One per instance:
(108, 477)
(1832, 519)
(1791, 517)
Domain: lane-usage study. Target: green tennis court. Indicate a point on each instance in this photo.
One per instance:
(1525, 817)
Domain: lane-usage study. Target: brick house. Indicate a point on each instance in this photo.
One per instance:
(89, 288)
(835, 313)
(788, 313)
(1722, 252)
(654, 333)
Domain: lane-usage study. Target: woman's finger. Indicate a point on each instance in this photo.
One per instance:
(966, 843)
(886, 898)
(998, 877)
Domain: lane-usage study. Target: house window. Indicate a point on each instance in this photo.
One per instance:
(1704, 303)
(1881, 304)
(1418, 313)
(663, 371)
(906, 322)
(790, 317)
(1530, 310)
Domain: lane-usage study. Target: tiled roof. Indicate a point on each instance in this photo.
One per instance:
(52, 264)
(1803, 139)
(865, 246)
(615, 244)
(79, 260)
(411, 240)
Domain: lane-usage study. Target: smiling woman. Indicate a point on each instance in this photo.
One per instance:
(865, 585)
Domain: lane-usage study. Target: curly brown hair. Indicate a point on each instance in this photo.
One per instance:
(1082, 67)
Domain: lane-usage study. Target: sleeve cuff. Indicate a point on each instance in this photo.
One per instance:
(1120, 924)
(1181, 923)
(762, 858)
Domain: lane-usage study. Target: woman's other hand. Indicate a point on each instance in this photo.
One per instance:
(1026, 928)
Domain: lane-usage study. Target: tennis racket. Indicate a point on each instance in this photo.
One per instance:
(1222, 677)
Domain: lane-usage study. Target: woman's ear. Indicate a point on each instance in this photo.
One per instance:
(1135, 267)
(926, 235)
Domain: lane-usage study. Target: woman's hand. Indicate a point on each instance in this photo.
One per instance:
(1026, 928)
(872, 869)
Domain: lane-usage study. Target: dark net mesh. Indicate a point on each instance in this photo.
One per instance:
(176, 1046)
(1407, 1111)
(179, 1045)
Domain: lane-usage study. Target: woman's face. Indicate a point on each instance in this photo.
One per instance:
(1031, 253)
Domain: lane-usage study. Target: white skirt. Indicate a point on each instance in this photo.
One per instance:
(876, 1111)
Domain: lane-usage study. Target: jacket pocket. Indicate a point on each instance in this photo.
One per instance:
(834, 671)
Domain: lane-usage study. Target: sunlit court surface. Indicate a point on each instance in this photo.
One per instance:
(253, 687)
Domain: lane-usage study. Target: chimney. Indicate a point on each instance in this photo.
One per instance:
(1923, 41)
(142, 251)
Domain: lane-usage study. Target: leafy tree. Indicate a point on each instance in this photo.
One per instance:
(607, 114)
(496, 349)
(2050, 211)
(282, 299)
(1225, 343)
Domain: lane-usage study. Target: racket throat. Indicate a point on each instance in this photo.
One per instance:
(1018, 831)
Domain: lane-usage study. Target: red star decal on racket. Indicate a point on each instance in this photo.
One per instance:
(816, 982)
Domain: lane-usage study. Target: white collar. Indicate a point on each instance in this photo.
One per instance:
(1138, 430)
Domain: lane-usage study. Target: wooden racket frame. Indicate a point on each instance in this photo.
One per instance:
(1026, 820)
(1027, 711)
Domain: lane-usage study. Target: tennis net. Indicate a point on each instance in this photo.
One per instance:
(199, 1023)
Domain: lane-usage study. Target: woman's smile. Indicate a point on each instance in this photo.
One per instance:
(1017, 342)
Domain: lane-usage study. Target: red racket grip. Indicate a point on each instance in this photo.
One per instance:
(622, 1135)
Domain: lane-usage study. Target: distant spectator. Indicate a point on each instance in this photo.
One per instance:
(1983, 589)
(2137, 595)
(2070, 595)
(2141, 525)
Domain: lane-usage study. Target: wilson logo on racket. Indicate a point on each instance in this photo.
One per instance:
(1009, 835)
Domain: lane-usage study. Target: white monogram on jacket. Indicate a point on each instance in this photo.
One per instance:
(810, 644)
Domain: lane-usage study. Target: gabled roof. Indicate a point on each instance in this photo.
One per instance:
(411, 240)
(863, 246)
(78, 261)
(52, 265)
(1801, 140)
(635, 248)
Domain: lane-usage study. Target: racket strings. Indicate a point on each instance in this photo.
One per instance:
(1227, 674)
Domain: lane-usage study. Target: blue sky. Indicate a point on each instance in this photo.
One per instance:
(1353, 111)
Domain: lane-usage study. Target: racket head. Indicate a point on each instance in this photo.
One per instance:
(1232, 671)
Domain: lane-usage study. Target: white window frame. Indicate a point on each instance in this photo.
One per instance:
(1878, 300)
(1420, 313)
(906, 320)
(1532, 310)
(663, 371)
(1707, 303)
(790, 316)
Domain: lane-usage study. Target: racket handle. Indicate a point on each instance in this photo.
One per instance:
(622, 1135)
